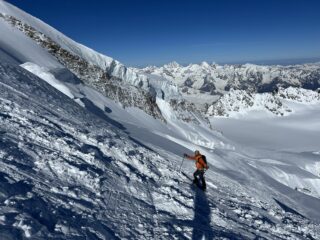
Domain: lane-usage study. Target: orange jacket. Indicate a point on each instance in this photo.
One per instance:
(200, 164)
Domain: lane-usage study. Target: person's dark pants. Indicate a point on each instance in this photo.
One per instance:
(199, 178)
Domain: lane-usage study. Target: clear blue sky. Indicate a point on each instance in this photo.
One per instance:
(144, 32)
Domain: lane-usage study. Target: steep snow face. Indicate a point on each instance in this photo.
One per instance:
(68, 172)
(65, 42)
(218, 79)
(116, 82)
(44, 74)
(63, 170)
(113, 67)
(176, 114)
(110, 78)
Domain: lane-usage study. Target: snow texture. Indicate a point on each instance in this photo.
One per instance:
(71, 172)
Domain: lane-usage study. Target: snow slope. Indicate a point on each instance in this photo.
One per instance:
(65, 42)
(114, 67)
(45, 74)
(75, 164)
(17, 47)
(297, 132)
(88, 175)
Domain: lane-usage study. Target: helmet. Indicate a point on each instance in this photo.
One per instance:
(196, 152)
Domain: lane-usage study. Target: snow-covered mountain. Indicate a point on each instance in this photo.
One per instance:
(214, 78)
(90, 149)
(101, 72)
(224, 90)
(239, 102)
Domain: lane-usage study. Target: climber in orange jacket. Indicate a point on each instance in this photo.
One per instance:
(202, 166)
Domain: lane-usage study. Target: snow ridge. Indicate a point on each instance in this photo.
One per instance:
(116, 82)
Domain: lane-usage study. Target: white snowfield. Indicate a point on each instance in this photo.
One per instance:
(44, 74)
(76, 165)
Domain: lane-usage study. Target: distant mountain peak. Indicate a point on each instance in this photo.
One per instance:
(205, 64)
(172, 64)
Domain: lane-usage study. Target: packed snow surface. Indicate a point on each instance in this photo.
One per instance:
(48, 77)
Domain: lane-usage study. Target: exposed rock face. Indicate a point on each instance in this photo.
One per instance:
(239, 102)
(116, 81)
(129, 96)
(231, 102)
(188, 112)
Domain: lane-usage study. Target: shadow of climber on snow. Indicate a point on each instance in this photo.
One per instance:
(202, 217)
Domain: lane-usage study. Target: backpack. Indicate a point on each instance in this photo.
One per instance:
(204, 159)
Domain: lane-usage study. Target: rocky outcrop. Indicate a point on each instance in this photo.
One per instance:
(188, 112)
(299, 95)
(239, 101)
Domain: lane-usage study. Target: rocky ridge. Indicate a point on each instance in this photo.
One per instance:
(114, 81)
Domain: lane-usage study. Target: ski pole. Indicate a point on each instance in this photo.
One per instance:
(181, 164)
